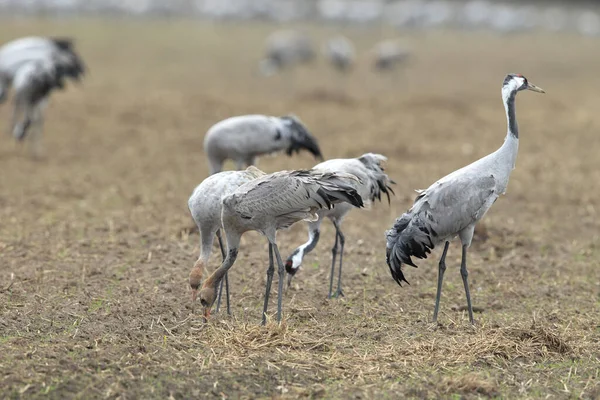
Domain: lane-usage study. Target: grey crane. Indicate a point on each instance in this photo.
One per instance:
(34, 67)
(245, 137)
(454, 204)
(340, 52)
(205, 207)
(373, 181)
(268, 204)
(389, 54)
(284, 49)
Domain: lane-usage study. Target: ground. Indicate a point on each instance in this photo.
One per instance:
(96, 241)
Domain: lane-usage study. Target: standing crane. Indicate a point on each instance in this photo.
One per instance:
(268, 204)
(34, 67)
(389, 54)
(454, 204)
(245, 137)
(205, 207)
(373, 181)
(285, 49)
(340, 52)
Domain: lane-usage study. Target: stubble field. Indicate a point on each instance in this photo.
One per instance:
(96, 245)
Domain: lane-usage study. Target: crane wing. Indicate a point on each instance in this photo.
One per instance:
(296, 194)
(449, 206)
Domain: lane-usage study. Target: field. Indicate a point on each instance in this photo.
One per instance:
(96, 241)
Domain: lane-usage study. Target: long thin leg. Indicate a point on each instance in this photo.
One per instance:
(333, 256)
(220, 239)
(339, 292)
(270, 272)
(442, 269)
(20, 119)
(36, 134)
(465, 274)
(15, 116)
(281, 273)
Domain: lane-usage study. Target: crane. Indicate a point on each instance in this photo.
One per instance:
(268, 204)
(373, 181)
(286, 48)
(205, 207)
(243, 138)
(388, 54)
(340, 52)
(34, 67)
(454, 204)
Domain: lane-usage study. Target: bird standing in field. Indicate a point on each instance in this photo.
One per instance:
(340, 52)
(373, 181)
(244, 138)
(454, 204)
(205, 207)
(268, 204)
(34, 67)
(389, 54)
(285, 49)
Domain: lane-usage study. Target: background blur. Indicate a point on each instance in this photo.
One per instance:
(500, 16)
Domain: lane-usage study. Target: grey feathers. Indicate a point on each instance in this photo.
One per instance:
(410, 236)
(300, 137)
(278, 200)
(379, 182)
(34, 66)
(246, 137)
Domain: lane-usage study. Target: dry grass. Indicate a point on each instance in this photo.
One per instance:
(96, 245)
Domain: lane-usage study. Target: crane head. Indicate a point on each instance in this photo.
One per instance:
(301, 138)
(517, 82)
(208, 295)
(293, 263)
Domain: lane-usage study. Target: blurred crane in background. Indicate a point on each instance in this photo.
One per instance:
(34, 67)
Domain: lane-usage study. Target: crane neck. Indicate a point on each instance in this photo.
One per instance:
(220, 272)
(509, 149)
(508, 97)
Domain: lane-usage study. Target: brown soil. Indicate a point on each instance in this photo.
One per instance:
(95, 247)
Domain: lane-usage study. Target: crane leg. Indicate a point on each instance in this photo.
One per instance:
(464, 273)
(333, 257)
(220, 239)
(270, 272)
(21, 128)
(14, 119)
(442, 269)
(36, 134)
(281, 274)
(339, 292)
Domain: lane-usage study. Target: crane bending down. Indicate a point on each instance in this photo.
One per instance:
(34, 67)
(245, 137)
(373, 181)
(454, 204)
(268, 204)
(205, 207)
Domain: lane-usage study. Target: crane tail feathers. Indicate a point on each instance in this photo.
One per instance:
(409, 237)
(334, 189)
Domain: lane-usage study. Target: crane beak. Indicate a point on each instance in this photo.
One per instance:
(531, 86)
(206, 314)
